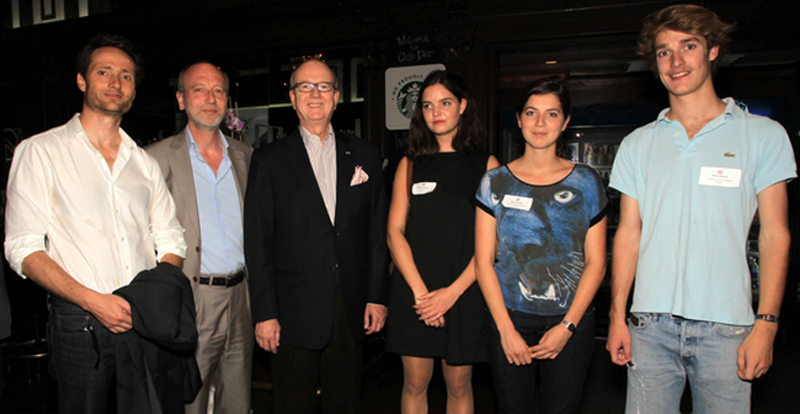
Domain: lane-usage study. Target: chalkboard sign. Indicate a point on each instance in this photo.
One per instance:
(414, 49)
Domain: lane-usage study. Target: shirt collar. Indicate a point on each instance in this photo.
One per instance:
(75, 128)
(733, 108)
(309, 138)
(195, 150)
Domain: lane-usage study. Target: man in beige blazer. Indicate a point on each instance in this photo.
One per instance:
(206, 172)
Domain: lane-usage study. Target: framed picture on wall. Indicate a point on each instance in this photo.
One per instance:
(572, 152)
(357, 80)
(337, 66)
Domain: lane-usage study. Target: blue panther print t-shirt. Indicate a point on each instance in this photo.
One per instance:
(541, 230)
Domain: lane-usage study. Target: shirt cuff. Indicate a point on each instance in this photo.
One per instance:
(18, 248)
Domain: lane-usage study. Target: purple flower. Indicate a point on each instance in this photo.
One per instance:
(232, 122)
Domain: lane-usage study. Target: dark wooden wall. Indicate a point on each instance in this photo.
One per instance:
(497, 45)
(482, 39)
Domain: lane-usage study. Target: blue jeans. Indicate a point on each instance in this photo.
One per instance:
(562, 378)
(667, 350)
(82, 358)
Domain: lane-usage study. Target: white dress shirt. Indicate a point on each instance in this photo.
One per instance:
(322, 155)
(102, 228)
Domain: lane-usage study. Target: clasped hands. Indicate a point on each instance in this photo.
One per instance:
(550, 345)
(432, 306)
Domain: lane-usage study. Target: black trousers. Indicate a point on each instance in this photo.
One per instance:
(82, 358)
(336, 369)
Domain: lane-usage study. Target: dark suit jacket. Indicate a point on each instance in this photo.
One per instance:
(156, 369)
(293, 251)
(172, 155)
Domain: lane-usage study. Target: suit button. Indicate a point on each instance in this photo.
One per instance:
(197, 249)
(335, 234)
(334, 268)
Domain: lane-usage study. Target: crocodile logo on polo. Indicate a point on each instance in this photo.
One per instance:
(729, 155)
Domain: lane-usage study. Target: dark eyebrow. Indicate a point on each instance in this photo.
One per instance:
(682, 41)
(545, 110)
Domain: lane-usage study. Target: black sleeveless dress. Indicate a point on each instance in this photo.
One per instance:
(441, 232)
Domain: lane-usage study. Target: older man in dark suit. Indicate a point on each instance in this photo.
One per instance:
(206, 173)
(315, 245)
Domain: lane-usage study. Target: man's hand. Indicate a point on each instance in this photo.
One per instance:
(173, 259)
(619, 342)
(374, 318)
(552, 342)
(755, 352)
(268, 335)
(111, 311)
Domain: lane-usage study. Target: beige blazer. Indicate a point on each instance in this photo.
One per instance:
(172, 155)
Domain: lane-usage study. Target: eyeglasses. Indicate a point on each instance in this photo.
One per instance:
(308, 87)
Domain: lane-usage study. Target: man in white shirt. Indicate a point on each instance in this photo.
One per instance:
(88, 210)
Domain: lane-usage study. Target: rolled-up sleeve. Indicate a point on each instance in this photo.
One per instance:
(28, 205)
(164, 225)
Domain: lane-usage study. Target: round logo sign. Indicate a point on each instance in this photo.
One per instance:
(407, 96)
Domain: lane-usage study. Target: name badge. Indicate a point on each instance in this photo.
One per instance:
(720, 177)
(517, 202)
(422, 188)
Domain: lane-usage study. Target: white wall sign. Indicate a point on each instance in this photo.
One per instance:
(402, 91)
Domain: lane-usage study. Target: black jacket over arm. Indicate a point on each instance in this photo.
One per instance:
(293, 251)
(156, 368)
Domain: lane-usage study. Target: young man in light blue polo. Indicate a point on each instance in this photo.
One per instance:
(691, 183)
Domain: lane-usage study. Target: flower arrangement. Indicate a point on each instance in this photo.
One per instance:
(236, 125)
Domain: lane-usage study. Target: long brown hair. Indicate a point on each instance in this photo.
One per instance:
(420, 143)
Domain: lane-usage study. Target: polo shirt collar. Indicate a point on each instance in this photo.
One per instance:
(733, 108)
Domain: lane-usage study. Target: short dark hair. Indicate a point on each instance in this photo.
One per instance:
(420, 143)
(686, 18)
(182, 87)
(553, 84)
(84, 58)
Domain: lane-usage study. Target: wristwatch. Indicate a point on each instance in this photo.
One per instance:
(767, 317)
(570, 326)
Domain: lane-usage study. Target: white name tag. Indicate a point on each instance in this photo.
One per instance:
(517, 202)
(422, 188)
(720, 177)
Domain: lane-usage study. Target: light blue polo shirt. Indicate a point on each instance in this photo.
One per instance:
(692, 259)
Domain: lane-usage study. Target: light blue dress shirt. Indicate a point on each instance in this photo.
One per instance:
(219, 212)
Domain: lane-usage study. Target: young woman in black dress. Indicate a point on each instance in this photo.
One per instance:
(436, 306)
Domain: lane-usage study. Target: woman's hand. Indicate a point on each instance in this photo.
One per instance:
(552, 342)
(432, 306)
(516, 349)
(433, 323)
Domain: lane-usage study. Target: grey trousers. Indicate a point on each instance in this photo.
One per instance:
(225, 348)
